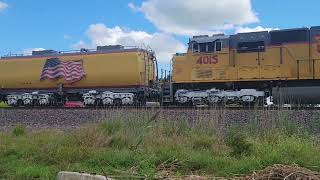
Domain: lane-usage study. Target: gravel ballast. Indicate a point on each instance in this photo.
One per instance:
(65, 119)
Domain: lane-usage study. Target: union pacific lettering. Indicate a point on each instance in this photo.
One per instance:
(207, 59)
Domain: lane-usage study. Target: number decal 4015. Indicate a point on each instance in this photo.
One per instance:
(212, 59)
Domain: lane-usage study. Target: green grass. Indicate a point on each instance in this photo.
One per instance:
(138, 148)
(3, 105)
(18, 130)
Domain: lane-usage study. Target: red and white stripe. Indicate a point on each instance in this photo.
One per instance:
(71, 70)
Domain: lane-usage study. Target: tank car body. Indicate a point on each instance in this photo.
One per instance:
(281, 63)
(113, 69)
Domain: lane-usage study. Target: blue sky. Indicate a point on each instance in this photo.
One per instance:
(44, 23)
(71, 24)
(287, 13)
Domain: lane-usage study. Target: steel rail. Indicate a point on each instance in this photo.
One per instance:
(165, 108)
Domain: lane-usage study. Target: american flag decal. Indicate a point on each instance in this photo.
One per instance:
(54, 68)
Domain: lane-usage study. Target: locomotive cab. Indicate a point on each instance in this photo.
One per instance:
(204, 54)
(210, 64)
(284, 64)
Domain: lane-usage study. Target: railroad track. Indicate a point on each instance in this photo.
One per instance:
(163, 108)
(72, 118)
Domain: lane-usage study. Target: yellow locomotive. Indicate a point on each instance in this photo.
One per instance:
(244, 68)
(105, 76)
(247, 67)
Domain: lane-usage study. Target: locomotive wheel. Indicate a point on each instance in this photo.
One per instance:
(214, 101)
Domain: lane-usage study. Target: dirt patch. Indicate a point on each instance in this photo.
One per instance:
(276, 172)
(284, 172)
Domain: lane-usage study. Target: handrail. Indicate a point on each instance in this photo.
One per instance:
(67, 52)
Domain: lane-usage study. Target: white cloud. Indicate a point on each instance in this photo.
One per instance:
(255, 29)
(3, 6)
(80, 44)
(29, 50)
(67, 37)
(197, 16)
(133, 7)
(163, 44)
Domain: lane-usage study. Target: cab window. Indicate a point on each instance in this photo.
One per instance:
(203, 47)
(195, 47)
(218, 46)
(208, 47)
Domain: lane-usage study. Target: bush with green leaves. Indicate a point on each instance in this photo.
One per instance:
(19, 130)
(238, 143)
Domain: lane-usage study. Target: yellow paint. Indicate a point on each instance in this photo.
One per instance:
(316, 48)
(102, 70)
(286, 62)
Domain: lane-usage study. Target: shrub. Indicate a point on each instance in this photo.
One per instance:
(238, 143)
(19, 130)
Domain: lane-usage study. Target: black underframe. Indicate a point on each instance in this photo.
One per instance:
(259, 85)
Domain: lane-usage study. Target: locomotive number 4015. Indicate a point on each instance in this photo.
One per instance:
(210, 59)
